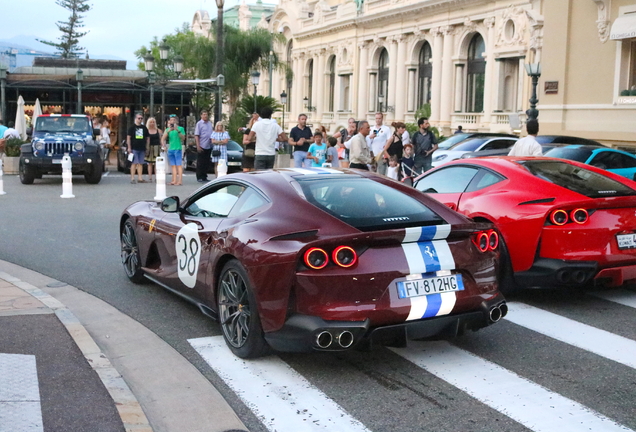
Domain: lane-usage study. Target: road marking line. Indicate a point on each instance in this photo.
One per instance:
(20, 408)
(603, 343)
(524, 401)
(621, 296)
(278, 395)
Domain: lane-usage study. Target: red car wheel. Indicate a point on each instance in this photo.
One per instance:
(238, 314)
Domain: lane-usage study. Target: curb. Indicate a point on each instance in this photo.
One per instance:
(128, 407)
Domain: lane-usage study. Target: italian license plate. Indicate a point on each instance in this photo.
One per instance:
(626, 241)
(57, 161)
(430, 285)
(233, 163)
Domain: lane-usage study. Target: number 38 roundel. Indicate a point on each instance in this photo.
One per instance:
(188, 254)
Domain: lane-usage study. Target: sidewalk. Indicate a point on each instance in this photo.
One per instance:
(69, 361)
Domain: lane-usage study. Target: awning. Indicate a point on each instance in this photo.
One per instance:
(624, 27)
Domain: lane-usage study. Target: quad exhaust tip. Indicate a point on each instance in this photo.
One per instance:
(345, 339)
(324, 339)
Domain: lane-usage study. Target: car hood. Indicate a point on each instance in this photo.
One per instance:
(65, 137)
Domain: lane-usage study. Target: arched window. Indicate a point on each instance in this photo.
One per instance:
(424, 75)
(289, 78)
(476, 75)
(310, 82)
(383, 79)
(332, 83)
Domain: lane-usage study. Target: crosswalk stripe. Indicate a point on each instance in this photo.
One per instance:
(592, 339)
(278, 395)
(19, 394)
(621, 296)
(526, 402)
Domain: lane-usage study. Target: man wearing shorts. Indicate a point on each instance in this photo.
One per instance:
(174, 136)
(138, 138)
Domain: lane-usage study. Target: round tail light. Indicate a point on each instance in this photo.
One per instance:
(316, 258)
(559, 217)
(482, 242)
(580, 216)
(493, 240)
(344, 256)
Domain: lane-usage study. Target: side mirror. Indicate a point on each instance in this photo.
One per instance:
(408, 181)
(170, 204)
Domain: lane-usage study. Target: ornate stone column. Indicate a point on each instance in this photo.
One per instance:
(490, 82)
(299, 87)
(412, 89)
(436, 87)
(363, 83)
(319, 93)
(446, 102)
(459, 87)
(393, 77)
(400, 97)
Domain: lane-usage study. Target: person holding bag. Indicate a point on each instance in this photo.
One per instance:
(219, 140)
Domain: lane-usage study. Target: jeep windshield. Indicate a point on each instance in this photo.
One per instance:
(365, 204)
(62, 125)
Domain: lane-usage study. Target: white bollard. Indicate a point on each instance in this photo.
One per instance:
(2, 192)
(221, 168)
(160, 166)
(67, 177)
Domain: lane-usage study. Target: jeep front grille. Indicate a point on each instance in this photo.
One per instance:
(58, 148)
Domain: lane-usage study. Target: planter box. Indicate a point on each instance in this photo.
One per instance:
(11, 165)
(282, 161)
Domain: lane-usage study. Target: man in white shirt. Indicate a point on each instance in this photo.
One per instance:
(376, 140)
(528, 146)
(267, 132)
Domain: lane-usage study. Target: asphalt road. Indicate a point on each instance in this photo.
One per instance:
(538, 374)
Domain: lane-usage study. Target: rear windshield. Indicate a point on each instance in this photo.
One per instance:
(470, 145)
(579, 180)
(449, 142)
(367, 205)
(576, 154)
(62, 124)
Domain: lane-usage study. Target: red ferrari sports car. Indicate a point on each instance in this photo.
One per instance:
(317, 259)
(562, 223)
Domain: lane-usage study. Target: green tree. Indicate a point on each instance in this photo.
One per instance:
(68, 45)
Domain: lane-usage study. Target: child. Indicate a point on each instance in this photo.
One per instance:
(317, 151)
(393, 168)
(407, 161)
(332, 152)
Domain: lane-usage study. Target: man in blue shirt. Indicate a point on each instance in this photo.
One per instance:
(202, 135)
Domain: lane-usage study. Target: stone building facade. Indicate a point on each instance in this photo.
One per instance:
(465, 57)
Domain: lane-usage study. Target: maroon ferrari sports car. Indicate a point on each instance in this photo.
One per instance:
(317, 259)
(562, 223)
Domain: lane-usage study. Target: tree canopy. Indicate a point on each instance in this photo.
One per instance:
(68, 45)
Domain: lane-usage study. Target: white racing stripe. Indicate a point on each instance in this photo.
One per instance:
(526, 402)
(592, 339)
(621, 296)
(280, 397)
(19, 394)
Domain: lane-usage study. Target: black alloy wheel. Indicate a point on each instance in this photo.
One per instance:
(130, 257)
(238, 314)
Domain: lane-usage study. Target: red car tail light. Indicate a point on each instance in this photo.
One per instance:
(580, 216)
(493, 240)
(559, 217)
(316, 258)
(344, 256)
(481, 240)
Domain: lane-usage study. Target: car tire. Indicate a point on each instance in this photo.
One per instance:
(507, 284)
(238, 313)
(93, 175)
(130, 257)
(27, 174)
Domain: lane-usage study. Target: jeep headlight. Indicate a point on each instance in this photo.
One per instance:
(79, 146)
(38, 145)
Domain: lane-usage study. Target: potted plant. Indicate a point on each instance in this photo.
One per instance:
(12, 155)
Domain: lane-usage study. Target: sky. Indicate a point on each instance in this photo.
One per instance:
(117, 28)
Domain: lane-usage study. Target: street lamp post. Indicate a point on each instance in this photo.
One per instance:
(534, 72)
(3, 102)
(149, 62)
(79, 76)
(218, 109)
(283, 101)
(256, 75)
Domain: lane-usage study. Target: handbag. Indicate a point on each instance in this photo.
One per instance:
(249, 152)
(216, 153)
